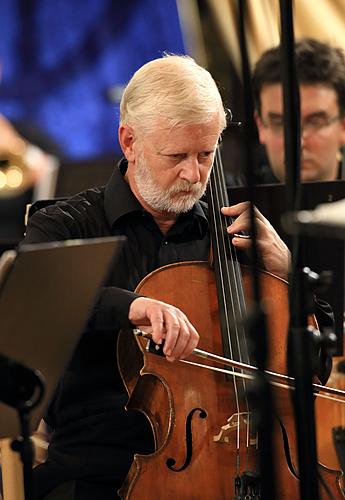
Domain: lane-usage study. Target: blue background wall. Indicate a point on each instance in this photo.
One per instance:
(61, 58)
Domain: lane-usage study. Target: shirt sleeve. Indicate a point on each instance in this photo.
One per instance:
(112, 308)
(43, 226)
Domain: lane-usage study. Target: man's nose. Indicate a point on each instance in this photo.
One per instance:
(304, 138)
(191, 170)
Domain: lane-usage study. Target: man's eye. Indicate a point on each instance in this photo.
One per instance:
(177, 156)
(205, 154)
(316, 121)
(277, 122)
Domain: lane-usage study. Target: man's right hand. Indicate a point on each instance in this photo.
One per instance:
(164, 322)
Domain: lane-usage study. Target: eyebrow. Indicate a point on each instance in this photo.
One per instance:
(317, 114)
(271, 114)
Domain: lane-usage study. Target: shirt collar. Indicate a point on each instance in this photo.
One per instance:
(118, 198)
(119, 201)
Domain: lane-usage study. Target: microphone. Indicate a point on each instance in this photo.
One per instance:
(327, 219)
(20, 387)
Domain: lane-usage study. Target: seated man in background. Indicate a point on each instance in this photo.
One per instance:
(321, 74)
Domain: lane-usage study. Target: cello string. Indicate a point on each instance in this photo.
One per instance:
(233, 282)
(220, 252)
(235, 291)
(236, 270)
(222, 296)
(237, 285)
(233, 262)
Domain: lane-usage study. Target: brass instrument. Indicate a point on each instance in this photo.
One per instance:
(20, 167)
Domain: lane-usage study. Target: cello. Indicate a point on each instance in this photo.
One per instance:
(206, 444)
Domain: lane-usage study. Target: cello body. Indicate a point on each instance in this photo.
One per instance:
(204, 437)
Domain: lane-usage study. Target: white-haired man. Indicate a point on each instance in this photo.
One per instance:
(171, 120)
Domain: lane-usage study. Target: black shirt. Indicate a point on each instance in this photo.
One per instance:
(92, 432)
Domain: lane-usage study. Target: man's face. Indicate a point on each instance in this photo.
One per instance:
(322, 132)
(171, 166)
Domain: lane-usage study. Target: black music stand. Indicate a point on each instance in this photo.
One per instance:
(323, 252)
(47, 292)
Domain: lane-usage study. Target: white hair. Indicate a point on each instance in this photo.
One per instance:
(172, 87)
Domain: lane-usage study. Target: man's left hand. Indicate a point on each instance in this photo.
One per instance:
(274, 253)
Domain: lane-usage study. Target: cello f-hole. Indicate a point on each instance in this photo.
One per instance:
(189, 442)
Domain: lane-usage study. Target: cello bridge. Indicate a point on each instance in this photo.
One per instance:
(238, 422)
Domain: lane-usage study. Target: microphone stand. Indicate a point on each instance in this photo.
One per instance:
(23, 389)
(300, 342)
(256, 328)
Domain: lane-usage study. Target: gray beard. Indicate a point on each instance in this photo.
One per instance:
(164, 200)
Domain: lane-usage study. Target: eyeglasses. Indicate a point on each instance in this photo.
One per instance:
(229, 117)
(310, 125)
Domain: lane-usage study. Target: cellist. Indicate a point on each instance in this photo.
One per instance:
(172, 118)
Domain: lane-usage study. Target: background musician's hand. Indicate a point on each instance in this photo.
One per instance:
(164, 322)
(274, 253)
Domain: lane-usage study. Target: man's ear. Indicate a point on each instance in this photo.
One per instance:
(126, 140)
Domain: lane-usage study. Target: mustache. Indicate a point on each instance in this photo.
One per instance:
(186, 186)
